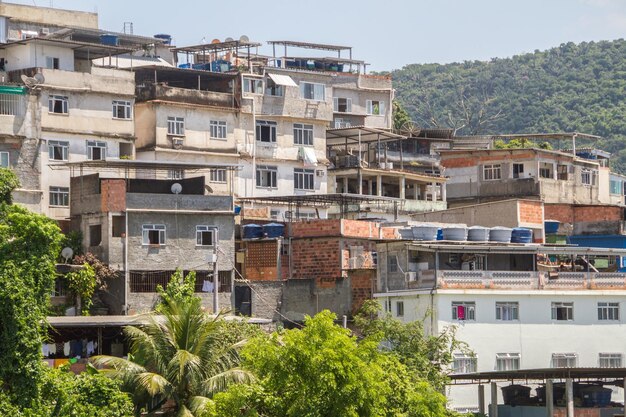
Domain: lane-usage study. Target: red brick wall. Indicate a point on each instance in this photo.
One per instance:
(361, 283)
(566, 213)
(113, 193)
(334, 227)
(316, 258)
(256, 213)
(261, 260)
(530, 211)
(469, 160)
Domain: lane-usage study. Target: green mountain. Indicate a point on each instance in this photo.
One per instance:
(574, 87)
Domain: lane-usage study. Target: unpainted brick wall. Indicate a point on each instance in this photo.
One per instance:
(316, 258)
(113, 193)
(567, 213)
(361, 284)
(261, 260)
(531, 211)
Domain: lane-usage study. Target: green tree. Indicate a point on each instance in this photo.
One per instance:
(8, 182)
(180, 358)
(179, 289)
(401, 118)
(82, 284)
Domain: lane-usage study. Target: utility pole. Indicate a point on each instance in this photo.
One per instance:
(216, 280)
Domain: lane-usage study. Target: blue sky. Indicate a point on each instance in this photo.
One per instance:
(388, 34)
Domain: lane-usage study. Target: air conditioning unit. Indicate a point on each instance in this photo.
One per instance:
(177, 143)
(411, 276)
(319, 172)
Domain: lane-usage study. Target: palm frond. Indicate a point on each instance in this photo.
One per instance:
(223, 380)
(199, 404)
(154, 384)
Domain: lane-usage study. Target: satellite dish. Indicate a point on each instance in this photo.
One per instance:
(244, 38)
(176, 188)
(67, 253)
(39, 77)
(228, 40)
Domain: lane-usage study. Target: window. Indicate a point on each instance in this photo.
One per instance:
(462, 310)
(252, 85)
(616, 187)
(375, 107)
(153, 234)
(4, 159)
(266, 176)
(564, 360)
(96, 150)
(217, 175)
(273, 89)
(58, 104)
(608, 311)
(121, 109)
(562, 172)
(507, 311)
(11, 104)
(52, 62)
(392, 264)
(302, 134)
(507, 361)
(545, 170)
(313, 91)
(95, 235)
(205, 235)
(58, 150)
(492, 172)
(342, 105)
(399, 308)
(118, 228)
(175, 126)
(464, 363)
(303, 179)
(60, 196)
(175, 174)
(587, 177)
(610, 360)
(274, 214)
(217, 129)
(266, 131)
(518, 170)
(562, 311)
(341, 123)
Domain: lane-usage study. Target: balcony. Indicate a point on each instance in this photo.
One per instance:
(185, 95)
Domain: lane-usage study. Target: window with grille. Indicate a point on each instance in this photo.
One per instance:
(464, 363)
(59, 196)
(608, 311)
(507, 361)
(96, 150)
(266, 131)
(492, 172)
(266, 176)
(153, 234)
(217, 129)
(304, 179)
(205, 235)
(176, 126)
(564, 360)
(463, 310)
(610, 360)
(121, 109)
(58, 150)
(12, 104)
(562, 311)
(58, 104)
(302, 134)
(217, 175)
(507, 311)
(175, 174)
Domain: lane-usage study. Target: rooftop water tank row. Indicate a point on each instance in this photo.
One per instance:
(458, 233)
(270, 230)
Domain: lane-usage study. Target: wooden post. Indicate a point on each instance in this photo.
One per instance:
(549, 398)
(493, 408)
(569, 396)
(481, 399)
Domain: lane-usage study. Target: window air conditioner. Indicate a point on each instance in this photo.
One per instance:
(177, 143)
(411, 276)
(319, 172)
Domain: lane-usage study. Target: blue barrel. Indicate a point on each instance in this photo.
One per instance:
(110, 40)
(439, 234)
(167, 39)
(596, 396)
(273, 230)
(521, 235)
(252, 231)
(551, 226)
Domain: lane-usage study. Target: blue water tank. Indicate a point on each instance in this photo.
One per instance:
(521, 235)
(551, 226)
(111, 40)
(439, 234)
(273, 230)
(252, 231)
(167, 39)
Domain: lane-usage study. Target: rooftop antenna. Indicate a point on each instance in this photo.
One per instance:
(128, 28)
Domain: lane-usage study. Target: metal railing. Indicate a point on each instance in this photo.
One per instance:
(11, 104)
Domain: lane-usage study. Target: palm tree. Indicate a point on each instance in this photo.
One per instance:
(178, 360)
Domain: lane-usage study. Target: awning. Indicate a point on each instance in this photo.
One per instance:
(283, 80)
(12, 89)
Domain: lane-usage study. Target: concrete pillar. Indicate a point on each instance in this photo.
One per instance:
(370, 186)
(481, 399)
(493, 408)
(624, 382)
(549, 398)
(402, 186)
(345, 185)
(359, 178)
(444, 195)
(569, 397)
(434, 190)
(416, 191)
(379, 185)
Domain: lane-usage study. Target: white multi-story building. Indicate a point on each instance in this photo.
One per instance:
(510, 314)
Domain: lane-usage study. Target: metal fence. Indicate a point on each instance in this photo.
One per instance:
(147, 281)
(11, 104)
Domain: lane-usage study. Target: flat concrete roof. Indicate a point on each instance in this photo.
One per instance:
(121, 321)
(540, 374)
(520, 248)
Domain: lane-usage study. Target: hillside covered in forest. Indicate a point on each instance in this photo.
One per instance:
(574, 87)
